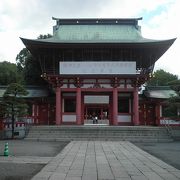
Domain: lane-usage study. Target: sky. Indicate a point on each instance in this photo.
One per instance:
(29, 19)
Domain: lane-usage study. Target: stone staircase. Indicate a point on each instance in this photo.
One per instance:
(175, 133)
(99, 132)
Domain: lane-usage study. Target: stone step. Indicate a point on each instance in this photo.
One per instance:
(176, 133)
(95, 133)
(102, 133)
(96, 127)
(140, 139)
(110, 136)
(103, 139)
(77, 136)
(98, 134)
(101, 129)
(134, 134)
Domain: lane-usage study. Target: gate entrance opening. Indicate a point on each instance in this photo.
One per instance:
(96, 109)
(96, 114)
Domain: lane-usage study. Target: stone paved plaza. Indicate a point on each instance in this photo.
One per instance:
(106, 160)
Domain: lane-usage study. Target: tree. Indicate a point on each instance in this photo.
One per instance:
(175, 85)
(21, 59)
(14, 103)
(162, 78)
(9, 73)
(174, 101)
(29, 66)
(44, 36)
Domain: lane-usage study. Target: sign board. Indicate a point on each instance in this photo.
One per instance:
(91, 99)
(97, 67)
(169, 122)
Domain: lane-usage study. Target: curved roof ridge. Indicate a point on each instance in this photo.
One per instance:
(63, 21)
(139, 18)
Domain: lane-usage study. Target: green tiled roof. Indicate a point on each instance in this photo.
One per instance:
(96, 31)
(97, 34)
(161, 92)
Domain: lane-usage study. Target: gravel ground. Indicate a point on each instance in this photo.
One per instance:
(32, 148)
(9, 171)
(18, 148)
(168, 152)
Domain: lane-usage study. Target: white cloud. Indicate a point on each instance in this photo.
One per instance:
(129, 8)
(33, 17)
(163, 26)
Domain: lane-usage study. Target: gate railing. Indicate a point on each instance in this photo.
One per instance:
(167, 125)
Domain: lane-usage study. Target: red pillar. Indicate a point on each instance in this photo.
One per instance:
(36, 113)
(58, 106)
(115, 106)
(157, 121)
(78, 106)
(136, 107)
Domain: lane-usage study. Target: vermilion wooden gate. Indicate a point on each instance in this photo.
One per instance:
(147, 114)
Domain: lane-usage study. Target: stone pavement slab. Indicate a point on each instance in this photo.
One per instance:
(106, 160)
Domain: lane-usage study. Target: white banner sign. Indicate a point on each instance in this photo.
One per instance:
(97, 67)
(169, 122)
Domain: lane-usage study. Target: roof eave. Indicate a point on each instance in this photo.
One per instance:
(146, 41)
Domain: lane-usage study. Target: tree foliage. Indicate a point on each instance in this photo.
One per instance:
(9, 73)
(175, 85)
(29, 66)
(21, 59)
(13, 103)
(44, 36)
(162, 78)
(174, 101)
